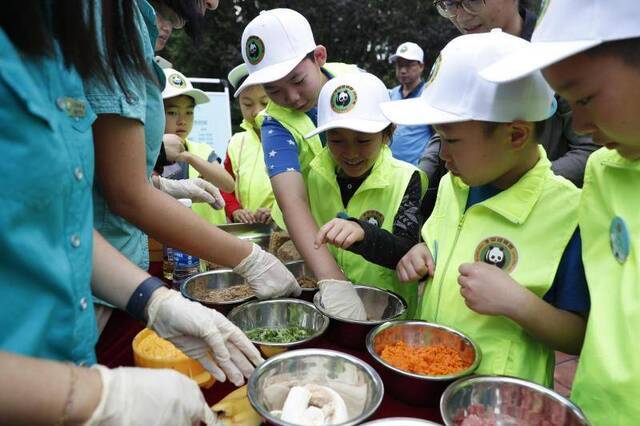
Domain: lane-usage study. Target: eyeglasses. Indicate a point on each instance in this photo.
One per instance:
(166, 14)
(449, 8)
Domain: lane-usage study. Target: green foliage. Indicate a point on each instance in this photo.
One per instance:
(362, 32)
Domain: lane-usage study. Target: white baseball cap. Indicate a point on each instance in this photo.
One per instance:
(352, 102)
(409, 51)
(455, 91)
(177, 84)
(273, 44)
(565, 28)
(237, 74)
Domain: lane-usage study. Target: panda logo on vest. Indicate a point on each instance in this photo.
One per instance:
(374, 217)
(497, 251)
(177, 81)
(343, 99)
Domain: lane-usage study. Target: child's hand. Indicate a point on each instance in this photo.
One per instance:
(243, 216)
(183, 157)
(263, 215)
(417, 263)
(339, 232)
(173, 145)
(489, 290)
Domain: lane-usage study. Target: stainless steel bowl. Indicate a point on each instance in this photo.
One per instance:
(279, 313)
(381, 306)
(419, 389)
(508, 401)
(212, 281)
(299, 269)
(400, 421)
(353, 379)
(255, 232)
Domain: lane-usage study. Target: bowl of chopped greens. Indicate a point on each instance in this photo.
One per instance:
(278, 324)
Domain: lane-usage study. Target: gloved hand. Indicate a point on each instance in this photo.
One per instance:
(266, 275)
(145, 396)
(201, 333)
(341, 299)
(197, 189)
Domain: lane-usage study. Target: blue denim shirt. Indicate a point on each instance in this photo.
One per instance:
(141, 100)
(46, 231)
(408, 142)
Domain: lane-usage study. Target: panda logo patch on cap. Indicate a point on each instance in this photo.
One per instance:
(177, 81)
(403, 48)
(497, 251)
(254, 50)
(374, 217)
(343, 99)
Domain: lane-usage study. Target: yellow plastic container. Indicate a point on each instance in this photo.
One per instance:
(152, 351)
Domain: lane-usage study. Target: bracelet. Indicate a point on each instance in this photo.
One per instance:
(140, 297)
(66, 411)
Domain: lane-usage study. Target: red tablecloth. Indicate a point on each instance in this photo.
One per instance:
(114, 350)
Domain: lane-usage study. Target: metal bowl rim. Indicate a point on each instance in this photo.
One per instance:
(316, 302)
(373, 374)
(386, 419)
(374, 332)
(318, 333)
(466, 381)
(294, 262)
(183, 289)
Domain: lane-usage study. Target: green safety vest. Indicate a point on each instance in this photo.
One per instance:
(607, 382)
(524, 230)
(253, 187)
(378, 198)
(204, 210)
(299, 124)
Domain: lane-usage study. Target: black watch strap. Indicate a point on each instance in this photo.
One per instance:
(139, 299)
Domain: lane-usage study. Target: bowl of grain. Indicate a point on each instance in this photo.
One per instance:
(221, 290)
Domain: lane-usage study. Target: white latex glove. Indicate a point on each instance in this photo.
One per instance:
(341, 299)
(266, 275)
(197, 189)
(145, 396)
(202, 333)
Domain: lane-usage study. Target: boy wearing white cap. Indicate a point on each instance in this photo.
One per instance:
(281, 54)
(589, 52)
(253, 197)
(197, 159)
(356, 177)
(501, 246)
(409, 141)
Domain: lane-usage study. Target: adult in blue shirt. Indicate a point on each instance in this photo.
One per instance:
(409, 142)
(53, 259)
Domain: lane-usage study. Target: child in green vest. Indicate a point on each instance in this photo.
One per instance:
(590, 54)
(501, 247)
(253, 198)
(280, 53)
(197, 159)
(356, 176)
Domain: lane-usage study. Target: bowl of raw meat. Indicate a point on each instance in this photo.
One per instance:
(501, 400)
(315, 387)
(418, 360)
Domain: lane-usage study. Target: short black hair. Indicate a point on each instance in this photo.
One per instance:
(191, 12)
(538, 128)
(628, 50)
(311, 56)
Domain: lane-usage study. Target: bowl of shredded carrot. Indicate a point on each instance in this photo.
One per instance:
(418, 360)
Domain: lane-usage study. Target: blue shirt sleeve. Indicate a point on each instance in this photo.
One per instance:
(569, 290)
(280, 149)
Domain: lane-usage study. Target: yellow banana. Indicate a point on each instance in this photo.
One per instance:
(232, 407)
(247, 418)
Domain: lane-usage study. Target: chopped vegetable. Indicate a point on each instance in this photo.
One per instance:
(279, 335)
(434, 360)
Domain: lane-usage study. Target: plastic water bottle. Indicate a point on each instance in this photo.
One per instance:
(167, 263)
(184, 264)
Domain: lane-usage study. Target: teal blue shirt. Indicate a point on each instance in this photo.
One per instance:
(140, 100)
(46, 217)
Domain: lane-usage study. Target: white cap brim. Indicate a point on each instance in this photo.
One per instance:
(393, 58)
(198, 95)
(269, 74)
(411, 112)
(534, 57)
(356, 124)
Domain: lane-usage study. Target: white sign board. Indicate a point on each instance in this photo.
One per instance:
(212, 121)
